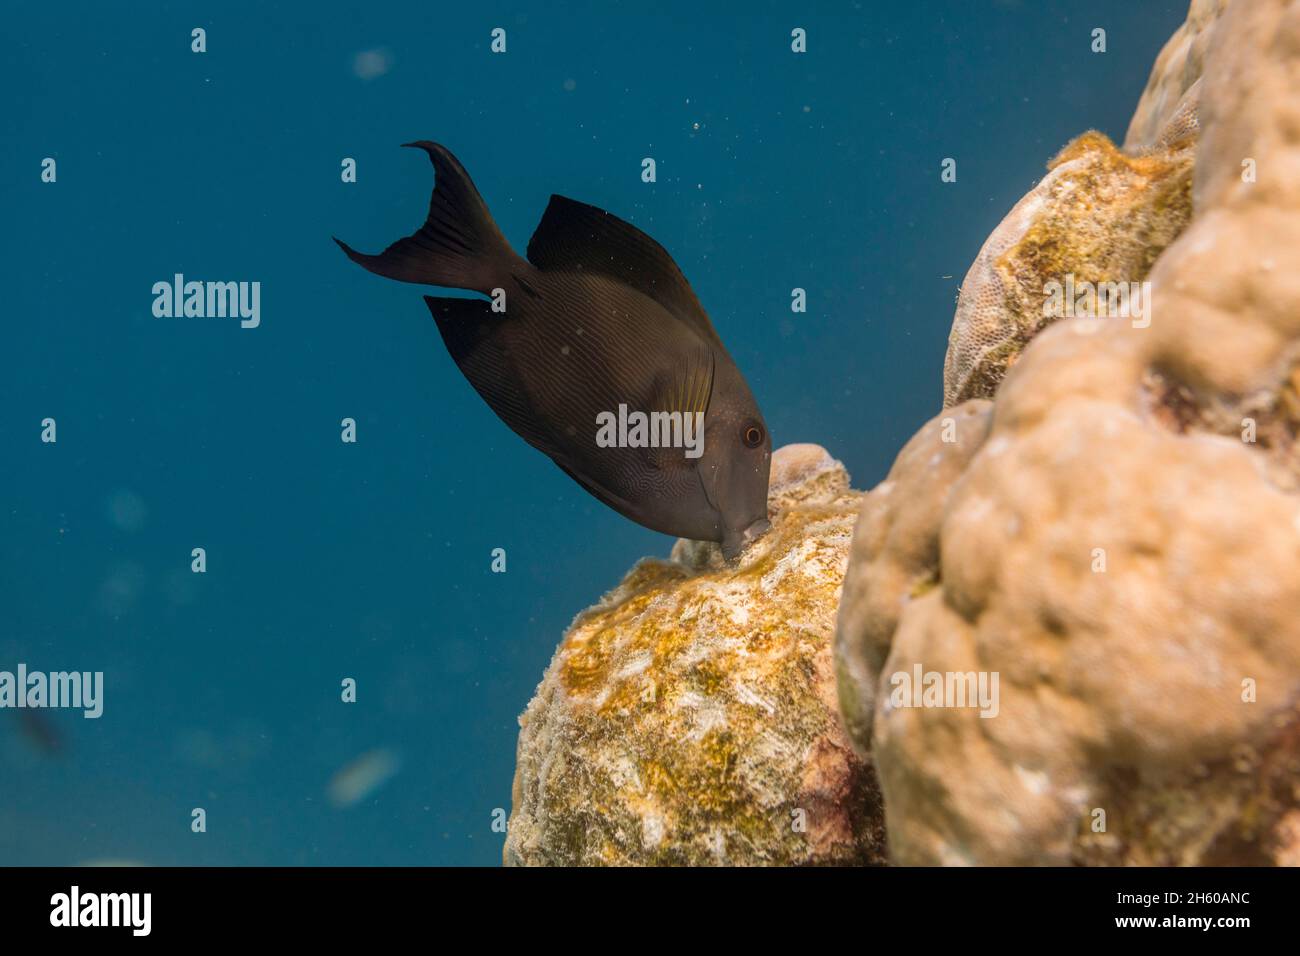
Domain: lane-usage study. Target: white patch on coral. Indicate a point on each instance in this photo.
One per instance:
(774, 747)
(996, 446)
(1035, 781)
(696, 652)
(748, 696)
(975, 511)
(652, 831)
(638, 664)
(718, 846)
(624, 775)
(792, 561)
(712, 715)
(689, 700)
(952, 856)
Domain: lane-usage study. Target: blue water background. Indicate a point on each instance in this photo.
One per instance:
(372, 560)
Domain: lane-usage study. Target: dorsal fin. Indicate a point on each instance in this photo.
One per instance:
(574, 236)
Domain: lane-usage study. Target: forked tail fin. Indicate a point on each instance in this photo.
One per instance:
(458, 247)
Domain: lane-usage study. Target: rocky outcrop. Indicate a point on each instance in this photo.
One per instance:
(1176, 71)
(1116, 538)
(1099, 216)
(690, 716)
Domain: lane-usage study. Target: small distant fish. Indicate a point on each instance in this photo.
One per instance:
(599, 324)
(361, 777)
(41, 732)
(369, 64)
(113, 862)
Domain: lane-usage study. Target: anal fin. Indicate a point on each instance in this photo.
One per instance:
(474, 339)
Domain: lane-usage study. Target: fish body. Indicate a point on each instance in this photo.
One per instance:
(599, 327)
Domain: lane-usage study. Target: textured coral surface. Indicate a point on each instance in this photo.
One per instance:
(1100, 215)
(1117, 536)
(690, 718)
(1175, 73)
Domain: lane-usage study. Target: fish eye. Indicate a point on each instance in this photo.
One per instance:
(754, 436)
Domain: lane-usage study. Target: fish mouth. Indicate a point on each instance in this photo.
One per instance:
(733, 544)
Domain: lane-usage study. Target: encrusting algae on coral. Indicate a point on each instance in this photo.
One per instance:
(690, 716)
(1100, 216)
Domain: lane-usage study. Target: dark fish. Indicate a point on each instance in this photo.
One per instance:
(40, 730)
(599, 324)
